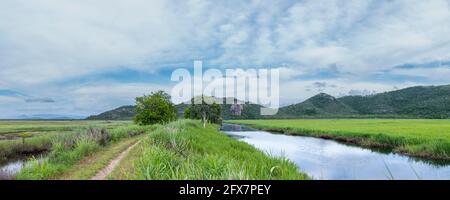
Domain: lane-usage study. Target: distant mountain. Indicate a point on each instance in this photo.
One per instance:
(48, 117)
(321, 104)
(121, 113)
(413, 102)
(420, 102)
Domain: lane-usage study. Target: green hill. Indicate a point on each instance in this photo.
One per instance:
(321, 104)
(420, 102)
(121, 113)
(413, 102)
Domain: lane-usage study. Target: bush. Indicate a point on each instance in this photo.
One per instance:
(155, 109)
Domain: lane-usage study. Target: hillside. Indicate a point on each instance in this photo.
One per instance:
(420, 102)
(413, 102)
(321, 104)
(121, 113)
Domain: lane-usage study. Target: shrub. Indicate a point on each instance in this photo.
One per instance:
(155, 109)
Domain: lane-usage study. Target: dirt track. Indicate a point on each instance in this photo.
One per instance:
(102, 174)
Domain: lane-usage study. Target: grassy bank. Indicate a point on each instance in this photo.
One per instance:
(40, 134)
(11, 149)
(422, 138)
(68, 149)
(186, 150)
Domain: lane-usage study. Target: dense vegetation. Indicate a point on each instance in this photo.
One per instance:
(185, 150)
(206, 111)
(424, 138)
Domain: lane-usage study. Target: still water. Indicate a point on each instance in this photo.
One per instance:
(331, 160)
(8, 170)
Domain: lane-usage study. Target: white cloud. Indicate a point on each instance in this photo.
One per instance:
(287, 73)
(5, 100)
(440, 74)
(295, 91)
(57, 40)
(99, 97)
(46, 42)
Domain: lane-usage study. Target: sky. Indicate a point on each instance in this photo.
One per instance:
(83, 57)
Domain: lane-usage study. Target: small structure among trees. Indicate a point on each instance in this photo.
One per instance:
(236, 109)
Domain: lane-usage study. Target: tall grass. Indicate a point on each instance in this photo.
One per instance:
(43, 132)
(16, 148)
(8, 126)
(67, 149)
(185, 150)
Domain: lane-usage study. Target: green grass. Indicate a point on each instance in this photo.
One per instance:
(7, 126)
(68, 149)
(91, 165)
(41, 133)
(10, 149)
(423, 138)
(184, 150)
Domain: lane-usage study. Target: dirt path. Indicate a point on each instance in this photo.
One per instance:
(101, 175)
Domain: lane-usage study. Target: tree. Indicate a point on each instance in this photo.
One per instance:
(199, 110)
(187, 113)
(155, 108)
(204, 111)
(215, 113)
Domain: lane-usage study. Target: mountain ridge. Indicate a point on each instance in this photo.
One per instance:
(413, 102)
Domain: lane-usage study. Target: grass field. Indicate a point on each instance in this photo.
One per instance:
(179, 150)
(185, 150)
(39, 134)
(423, 138)
(10, 127)
(68, 150)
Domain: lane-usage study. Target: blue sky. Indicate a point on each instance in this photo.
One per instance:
(82, 57)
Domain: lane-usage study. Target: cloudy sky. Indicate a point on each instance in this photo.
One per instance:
(81, 57)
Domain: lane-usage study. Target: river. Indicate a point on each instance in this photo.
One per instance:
(331, 160)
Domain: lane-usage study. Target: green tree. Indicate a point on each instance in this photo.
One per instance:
(204, 111)
(187, 112)
(215, 113)
(155, 108)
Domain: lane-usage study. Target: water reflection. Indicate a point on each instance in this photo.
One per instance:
(8, 170)
(327, 159)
